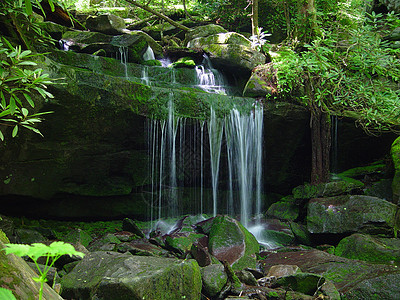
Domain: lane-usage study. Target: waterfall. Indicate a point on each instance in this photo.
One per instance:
(244, 146)
(215, 130)
(148, 54)
(123, 56)
(145, 76)
(209, 79)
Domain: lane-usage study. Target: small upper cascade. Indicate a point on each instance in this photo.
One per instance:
(210, 79)
(123, 56)
(149, 54)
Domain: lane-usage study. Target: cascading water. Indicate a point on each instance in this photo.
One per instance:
(190, 160)
(209, 79)
(123, 56)
(149, 54)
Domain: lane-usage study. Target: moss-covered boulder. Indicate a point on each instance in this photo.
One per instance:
(285, 209)
(231, 56)
(353, 279)
(182, 242)
(112, 275)
(351, 213)
(203, 31)
(214, 279)
(17, 276)
(275, 233)
(106, 23)
(262, 82)
(395, 152)
(220, 38)
(230, 241)
(306, 283)
(369, 248)
(333, 188)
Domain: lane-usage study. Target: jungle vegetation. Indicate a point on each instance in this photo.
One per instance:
(334, 57)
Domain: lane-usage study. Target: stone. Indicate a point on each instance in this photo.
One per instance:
(369, 248)
(106, 23)
(142, 247)
(262, 82)
(306, 283)
(111, 275)
(220, 38)
(351, 213)
(352, 278)
(155, 46)
(29, 236)
(17, 276)
(130, 225)
(78, 236)
(246, 277)
(276, 234)
(230, 241)
(108, 242)
(395, 152)
(284, 209)
(301, 234)
(203, 31)
(214, 279)
(381, 189)
(182, 242)
(328, 189)
(184, 62)
(233, 56)
(283, 270)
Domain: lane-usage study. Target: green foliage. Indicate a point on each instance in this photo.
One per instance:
(6, 294)
(19, 82)
(346, 69)
(52, 253)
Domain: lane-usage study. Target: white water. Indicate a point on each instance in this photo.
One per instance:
(209, 79)
(148, 54)
(123, 56)
(145, 76)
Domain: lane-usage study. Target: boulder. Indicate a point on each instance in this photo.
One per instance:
(328, 189)
(130, 225)
(262, 82)
(143, 247)
(214, 279)
(395, 152)
(17, 276)
(230, 241)
(203, 31)
(274, 233)
(106, 23)
(351, 213)
(111, 275)
(29, 236)
(284, 209)
(353, 279)
(369, 248)
(283, 270)
(220, 38)
(78, 236)
(306, 283)
(231, 57)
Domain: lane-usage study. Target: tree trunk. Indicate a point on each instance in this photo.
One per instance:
(254, 18)
(160, 15)
(320, 145)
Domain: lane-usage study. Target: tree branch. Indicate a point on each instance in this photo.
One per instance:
(160, 15)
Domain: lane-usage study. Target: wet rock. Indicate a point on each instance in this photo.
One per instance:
(182, 242)
(29, 236)
(203, 31)
(130, 225)
(220, 38)
(229, 241)
(246, 277)
(214, 279)
(106, 23)
(333, 188)
(350, 277)
(276, 233)
(351, 213)
(143, 247)
(369, 248)
(78, 236)
(200, 252)
(262, 82)
(306, 283)
(105, 243)
(285, 209)
(283, 270)
(125, 236)
(381, 189)
(301, 234)
(111, 275)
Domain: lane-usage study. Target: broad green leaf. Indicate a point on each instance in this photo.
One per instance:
(6, 294)
(28, 7)
(29, 99)
(27, 63)
(1, 136)
(61, 248)
(13, 106)
(15, 131)
(35, 130)
(4, 113)
(17, 249)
